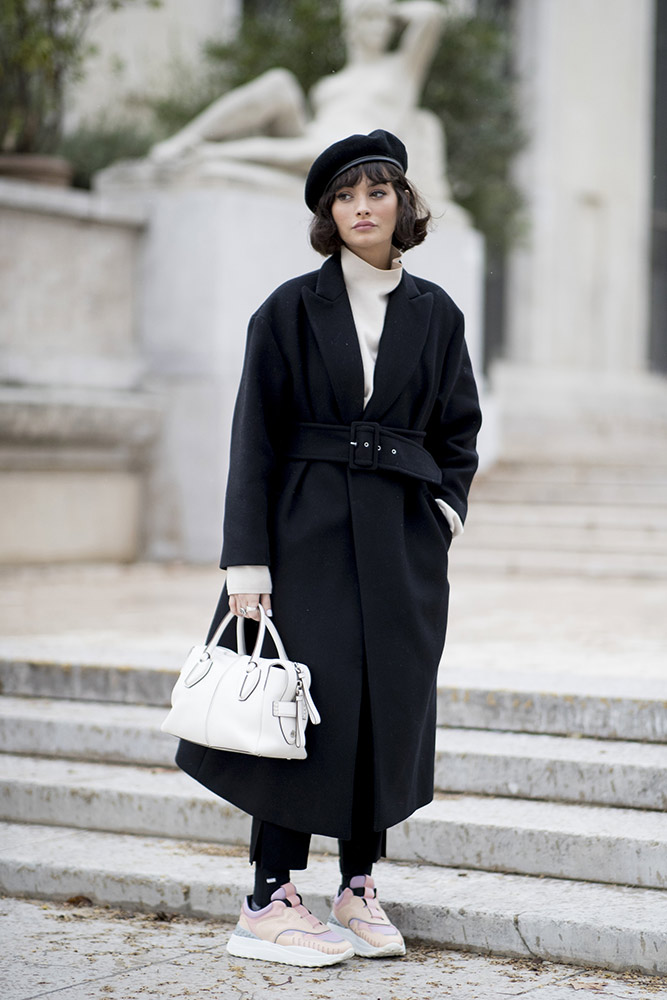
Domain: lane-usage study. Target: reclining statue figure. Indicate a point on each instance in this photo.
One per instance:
(266, 122)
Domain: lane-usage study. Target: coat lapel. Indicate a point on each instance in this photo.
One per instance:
(330, 316)
(404, 335)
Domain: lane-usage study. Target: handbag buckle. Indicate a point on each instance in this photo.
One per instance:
(364, 444)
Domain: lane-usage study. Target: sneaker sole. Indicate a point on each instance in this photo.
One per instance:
(268, 951)
(363, 948)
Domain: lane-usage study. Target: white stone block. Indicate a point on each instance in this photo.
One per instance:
(65, 516)
(68, 271)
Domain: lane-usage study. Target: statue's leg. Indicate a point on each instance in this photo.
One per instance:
(272, 104)
(294, 155)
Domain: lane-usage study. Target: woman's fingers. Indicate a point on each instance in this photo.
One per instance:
(247, 605)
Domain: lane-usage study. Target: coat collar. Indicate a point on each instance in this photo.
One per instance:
(403, 337)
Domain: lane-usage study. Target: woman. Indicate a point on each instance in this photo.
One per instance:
(353, 449)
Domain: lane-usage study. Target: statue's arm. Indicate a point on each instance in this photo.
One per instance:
(424, 21)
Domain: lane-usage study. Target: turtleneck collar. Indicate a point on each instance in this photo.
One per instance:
(358, 272)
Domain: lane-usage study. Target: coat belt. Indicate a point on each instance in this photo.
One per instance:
(366, 446)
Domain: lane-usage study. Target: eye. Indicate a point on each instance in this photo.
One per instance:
(378, 193)
(343, 196)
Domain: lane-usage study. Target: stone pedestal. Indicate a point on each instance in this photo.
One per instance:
(75, 426)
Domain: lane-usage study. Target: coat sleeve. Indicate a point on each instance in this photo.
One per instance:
(451, 432)
(262, 405)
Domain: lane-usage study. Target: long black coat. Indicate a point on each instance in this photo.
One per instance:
(358, 558)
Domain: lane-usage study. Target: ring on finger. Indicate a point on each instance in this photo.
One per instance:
(243, 611)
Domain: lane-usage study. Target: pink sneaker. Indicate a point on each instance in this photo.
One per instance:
(363, 922)
(285, 931)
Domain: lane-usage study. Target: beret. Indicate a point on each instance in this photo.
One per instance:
(356, 149)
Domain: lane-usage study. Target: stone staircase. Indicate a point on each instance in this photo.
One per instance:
(559, 517)
(547, 837)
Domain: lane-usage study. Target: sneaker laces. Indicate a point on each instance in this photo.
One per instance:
(365, 888)
(371, 903)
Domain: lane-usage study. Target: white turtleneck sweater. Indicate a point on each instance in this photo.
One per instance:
(368, 288)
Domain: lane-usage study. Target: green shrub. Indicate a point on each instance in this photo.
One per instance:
(471, 91)
(43, 48)
(95, 145)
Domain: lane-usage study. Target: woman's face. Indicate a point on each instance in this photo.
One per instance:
(365, 217)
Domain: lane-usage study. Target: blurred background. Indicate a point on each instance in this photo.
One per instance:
(125, 289)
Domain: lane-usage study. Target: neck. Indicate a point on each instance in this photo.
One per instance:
(379, 257)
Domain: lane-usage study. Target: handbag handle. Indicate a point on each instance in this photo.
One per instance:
(264, 624)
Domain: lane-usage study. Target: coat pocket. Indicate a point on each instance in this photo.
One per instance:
(437, 516)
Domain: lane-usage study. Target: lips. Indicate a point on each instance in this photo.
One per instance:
(364, 225)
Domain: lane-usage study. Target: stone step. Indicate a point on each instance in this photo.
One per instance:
(553, 469)
(554, 768)
(94, 670)
(85, 730)
(508, 764)
(596, 843)
(570, 482)
(592, 843)
(579, 923)
(598, 707)
(576, 541)
(572, 529)
(550, 562)
(600, 494)
(117, 798)
(649, 519)
(629, 495)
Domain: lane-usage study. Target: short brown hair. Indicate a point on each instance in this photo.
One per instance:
(412, 219)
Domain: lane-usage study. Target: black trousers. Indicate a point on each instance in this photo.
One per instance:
(277, 848)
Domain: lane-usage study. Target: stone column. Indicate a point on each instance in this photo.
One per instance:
(579, 290)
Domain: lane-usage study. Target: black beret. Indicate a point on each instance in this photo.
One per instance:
(336, 159)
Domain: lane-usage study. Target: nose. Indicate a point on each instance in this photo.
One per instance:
(362, 206)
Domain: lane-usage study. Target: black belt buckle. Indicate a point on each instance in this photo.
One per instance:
(364, 445)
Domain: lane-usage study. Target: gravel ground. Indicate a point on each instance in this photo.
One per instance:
(75, 951)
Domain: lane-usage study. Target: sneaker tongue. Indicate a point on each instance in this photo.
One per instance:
(286, 894)
(363, 885)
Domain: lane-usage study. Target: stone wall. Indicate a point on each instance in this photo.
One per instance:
(75, 427)
(144, 50)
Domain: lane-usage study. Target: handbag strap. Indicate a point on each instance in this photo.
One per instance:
(265, 624)
(240, 634)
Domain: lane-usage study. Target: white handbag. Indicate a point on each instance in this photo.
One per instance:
(229, 700)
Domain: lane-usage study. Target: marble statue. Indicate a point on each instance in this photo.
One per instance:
(266, 123)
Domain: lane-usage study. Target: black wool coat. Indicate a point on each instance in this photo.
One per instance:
(358, 556)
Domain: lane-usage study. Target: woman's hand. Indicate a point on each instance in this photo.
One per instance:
(246, 605)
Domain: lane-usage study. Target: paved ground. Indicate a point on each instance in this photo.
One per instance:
(81, 952)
